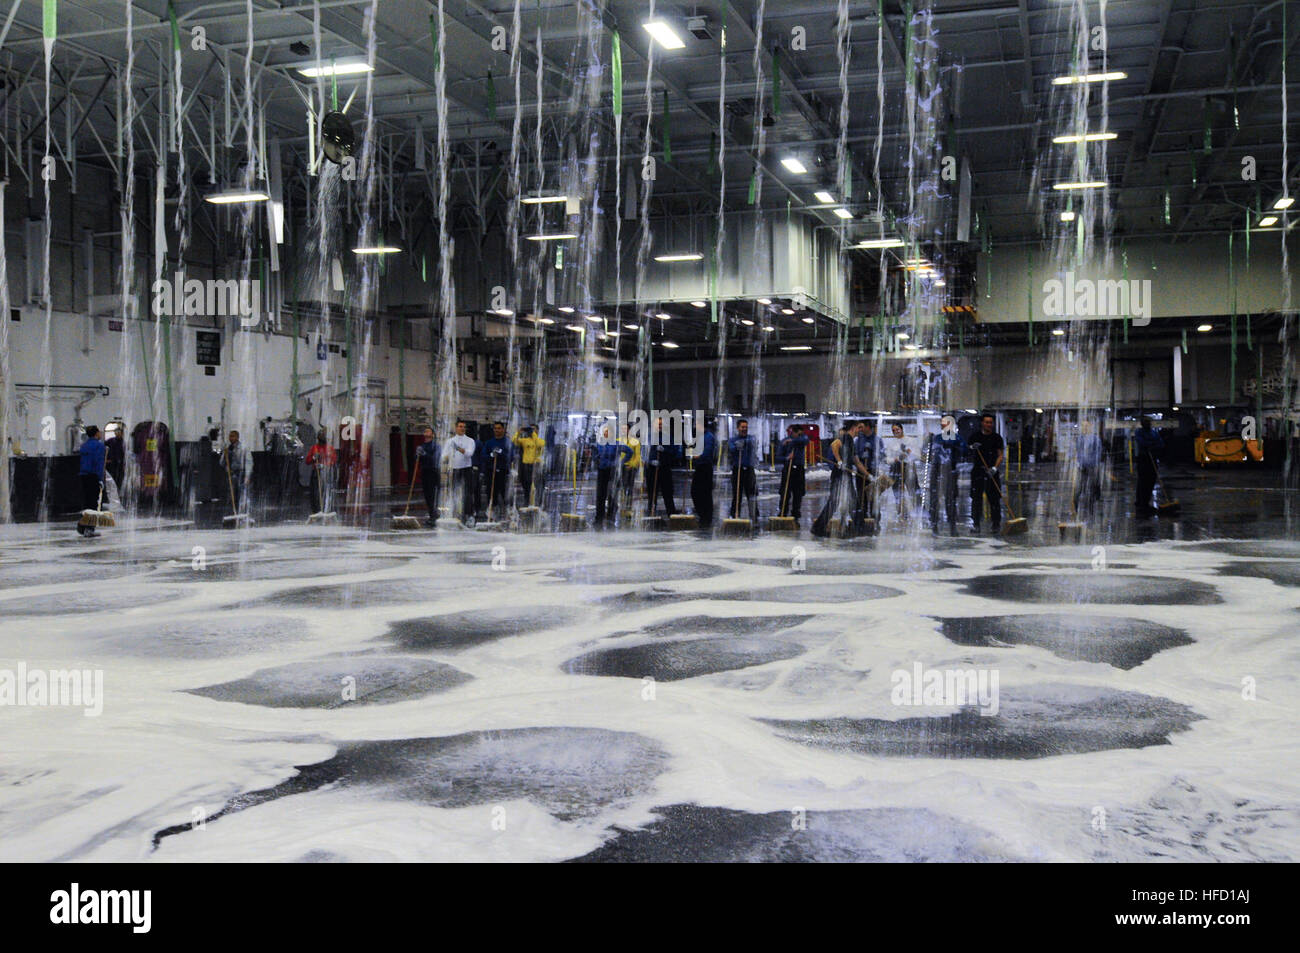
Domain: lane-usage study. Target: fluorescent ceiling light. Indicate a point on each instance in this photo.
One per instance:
(1088, 78)
(631, 327)
(699, 304)
(1205, 327)
(796, 347)
(336, 69)
(575, 329)
(1087, 137)
(558, 237)
(1067, 216)
(567, 310)
(504, 312)
(663, 34)
(809, 320)
(843, 213)
(543, 199)
(794, 165)
(746, 322)
(882, 243)
(1058, 332)
(682, 256)
(1062, 186)
(787, 310)
(1268, 221)
(768, 327)
(1284, 203)
(764, 300)
(612, 334)
(545, 320)
(824, 197)
(662, 316)
(234, 197)
(379, 250)
(669, 344)
(595, 318)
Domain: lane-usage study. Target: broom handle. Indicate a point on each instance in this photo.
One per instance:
(994, 474)
(411, 490)
(234, 511)
(786, 492)
(654, 493)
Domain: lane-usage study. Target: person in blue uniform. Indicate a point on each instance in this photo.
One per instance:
(659, 458)
(947, 448)
(987, 450)
(1147, 445)
(791, 461)
(92, 454)
(610, 456)
(702, 477)
(498, 452)
(429, 457)
(743, 451)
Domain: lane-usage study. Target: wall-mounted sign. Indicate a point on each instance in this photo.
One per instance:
(207, 348)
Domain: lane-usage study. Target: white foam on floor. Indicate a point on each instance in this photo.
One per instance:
(98, 788)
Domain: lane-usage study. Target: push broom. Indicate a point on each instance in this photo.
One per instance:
(98, 516)
(406, 520)
(737, 525)
(1168, 507)
(321, 516)
(1072, 530)
(1017, 525)
(235, 519)
(653, 520)
(783, 523)
(573, 522)
(684, 520)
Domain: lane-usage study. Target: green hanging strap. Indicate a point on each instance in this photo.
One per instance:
(50, 24)
(433, 34)
(668, 134)
(616, 59)
(753, 188)
(176, 30)
(1184, 340)
(334, 86)
(1232, 361)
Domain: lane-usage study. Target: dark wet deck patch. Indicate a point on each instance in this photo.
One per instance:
(1250, 549)
(20, 575)
(89, 598)
(216, 637)
(568, 772)
(459, 630)
(711, 625)
(361, 595)
(617, 571)
(1094, 588)
(1112, 640)
(829, 593)
(1037, 721)
(1020, 567)
(867, 561)
(322, 683)
(313, 567)
(1282, 573)
(688, 833)
(672, 660)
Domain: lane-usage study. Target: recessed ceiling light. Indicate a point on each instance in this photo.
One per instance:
(1067, 216)
(662, 316)
(824, 197)
(809, 320)
(699, 304)
(663, 34)
(1204, 327)
(1087, 137)
(1063, 186)
(764, 300)
(336, 69)
(882, 243)
(543, 199)
(794, 165)
(1088, 78)
(1284, 203)
(680, 256)
(545, 320)
(235, 197)
(595, 318)
(558, 237)
(1268, 221)
(669, 344)
(796, 347)
(843, 213)
(631, 327)
(768, 327)
(379, 250)
(787, 310)
(567, 310)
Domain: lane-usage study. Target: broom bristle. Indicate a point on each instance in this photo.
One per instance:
(96, 518)
(1015, 527)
